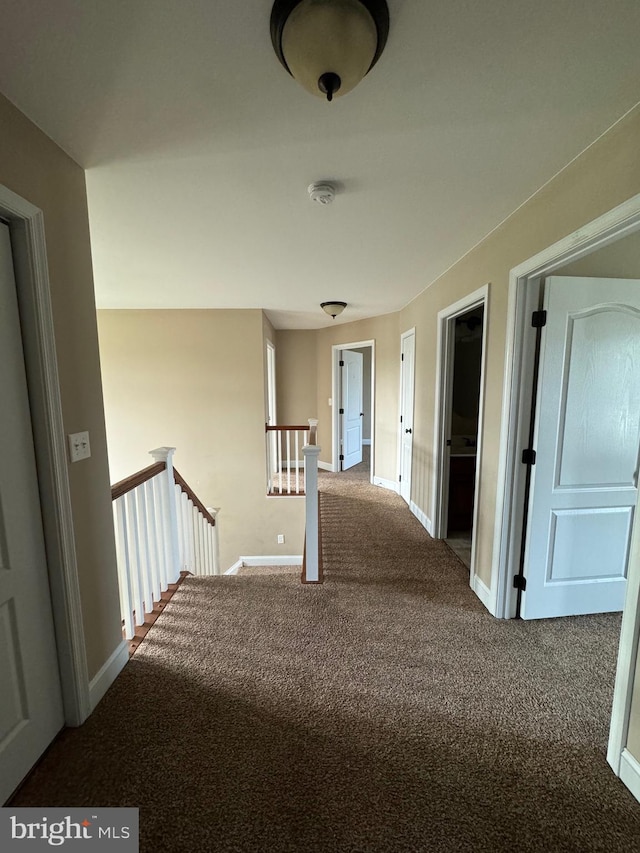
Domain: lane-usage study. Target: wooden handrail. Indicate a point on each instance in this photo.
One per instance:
(186, 488)
(137, 479)
(273, 428)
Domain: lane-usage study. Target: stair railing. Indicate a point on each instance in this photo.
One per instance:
(162, 529)
(285, 460)
(312, 558)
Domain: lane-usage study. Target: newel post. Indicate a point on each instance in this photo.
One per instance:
(169, 513)
(311, 451)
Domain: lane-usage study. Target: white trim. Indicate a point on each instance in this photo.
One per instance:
(387, 484)
(422, 517)
(444, 390)
(32, 281)
(630, 773)
(326, 466)
(108, 673)
(335, 403)
(484, 593)
(627, 656)
(274, 560)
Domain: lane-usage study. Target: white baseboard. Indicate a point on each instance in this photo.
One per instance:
(484, 593)
(366, 441)
(630, 773)
(108, 673)
(386, 484)
(274, 560)
(326, 466)
(422, 517)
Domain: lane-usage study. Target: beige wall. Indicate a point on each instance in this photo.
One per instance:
(604, 176)
(34, 168)
(296, 376)
(194, 380)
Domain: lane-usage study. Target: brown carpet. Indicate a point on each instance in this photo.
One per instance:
(383, 711)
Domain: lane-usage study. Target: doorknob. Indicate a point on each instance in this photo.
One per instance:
(407, 430)
(361, 414)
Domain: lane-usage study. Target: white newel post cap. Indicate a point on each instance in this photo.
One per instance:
(162, 454)
(313, 422)
(311, 450)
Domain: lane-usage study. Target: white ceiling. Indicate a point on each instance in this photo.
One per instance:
(199, 147)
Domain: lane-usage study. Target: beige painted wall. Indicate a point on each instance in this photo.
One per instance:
(604, 176)
(38, 171)
(296, 376)
(386, 333)
(194, 380)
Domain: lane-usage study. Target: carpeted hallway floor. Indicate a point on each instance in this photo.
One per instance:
(383, 711)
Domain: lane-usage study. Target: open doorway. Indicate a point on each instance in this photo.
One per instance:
(462, 335)
(353, 408)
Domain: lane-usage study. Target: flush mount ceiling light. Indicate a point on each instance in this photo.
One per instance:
(329, 45)
(333, 308)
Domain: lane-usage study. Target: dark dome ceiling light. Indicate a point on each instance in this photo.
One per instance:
(328, 46)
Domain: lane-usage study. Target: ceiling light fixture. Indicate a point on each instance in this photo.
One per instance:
(333, 308)
(329, 45)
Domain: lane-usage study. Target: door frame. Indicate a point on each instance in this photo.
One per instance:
(335, 401)
(444, 393)
(26, 225)
(406, 334)
(524, 281)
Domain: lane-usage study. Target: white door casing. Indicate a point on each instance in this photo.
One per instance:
(587, 440)
(351, 420)
(31, 711)
(407, 378)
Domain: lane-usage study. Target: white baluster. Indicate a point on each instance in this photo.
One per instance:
(124, 568)
(154, 549)
(143, 540)
(135, 558)
(165, 454)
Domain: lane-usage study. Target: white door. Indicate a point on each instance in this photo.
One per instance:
(352, 413)
(407, 372)
(30, 695)
(587, 439)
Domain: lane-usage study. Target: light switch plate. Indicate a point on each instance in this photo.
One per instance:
(79, 447)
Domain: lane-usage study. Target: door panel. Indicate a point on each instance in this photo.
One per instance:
(30, 695)
(352, 405)
(406, 413)
(587, 440)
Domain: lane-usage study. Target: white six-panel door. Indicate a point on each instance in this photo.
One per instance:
(352, 408)
(30, 695)
(587, 442)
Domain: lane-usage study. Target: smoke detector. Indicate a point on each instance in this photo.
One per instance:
(322, 192)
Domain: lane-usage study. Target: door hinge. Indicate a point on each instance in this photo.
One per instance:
(400, 418)
(402, 357)
(539, 319)
(341, 363)
(341, 412)
(528, 457)
(399, 478)
(519, 582)
(341, 457)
